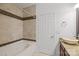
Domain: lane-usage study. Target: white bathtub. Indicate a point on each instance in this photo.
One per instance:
(14, 48)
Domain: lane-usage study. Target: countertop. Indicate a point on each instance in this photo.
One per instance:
(73, 50)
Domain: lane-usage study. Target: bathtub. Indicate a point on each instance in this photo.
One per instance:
(14, 48)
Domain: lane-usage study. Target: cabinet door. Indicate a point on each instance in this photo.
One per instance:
(66, 53)
(62, 50)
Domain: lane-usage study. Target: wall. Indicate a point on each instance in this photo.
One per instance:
(11, 7)
(29, 11)
(66, 20)
(10, 28)
(29, 29)
(13, 29)
(60, 12)
(29, 26)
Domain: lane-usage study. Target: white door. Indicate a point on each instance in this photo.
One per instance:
(46, 33)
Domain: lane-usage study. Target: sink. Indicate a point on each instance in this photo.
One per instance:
(70, 41)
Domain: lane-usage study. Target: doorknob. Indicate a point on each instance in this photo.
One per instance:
(51, 36)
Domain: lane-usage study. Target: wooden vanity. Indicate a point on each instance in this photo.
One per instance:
(68, 50)
(63, 51)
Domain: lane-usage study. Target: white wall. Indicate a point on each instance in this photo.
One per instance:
(60, 12)
(66, 14)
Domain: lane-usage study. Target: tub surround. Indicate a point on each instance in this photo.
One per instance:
(10, 29)
(16, 16)
(29, 29)
(9, 14)
(68, 50)
(29, 18)
(4, 44)
(11, 23)
(12, 10)
(29, 39)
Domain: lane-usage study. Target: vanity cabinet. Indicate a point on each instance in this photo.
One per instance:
(63, 51)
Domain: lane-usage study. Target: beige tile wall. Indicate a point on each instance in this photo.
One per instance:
(30, 11)
(10, 7)
(10, 29)
(29, 27)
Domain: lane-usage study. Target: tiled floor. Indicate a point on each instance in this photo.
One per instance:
(31, 50)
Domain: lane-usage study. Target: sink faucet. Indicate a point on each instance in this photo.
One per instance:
(78, 41)
(77, 37)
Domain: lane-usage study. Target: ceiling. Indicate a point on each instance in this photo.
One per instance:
(24, 5)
